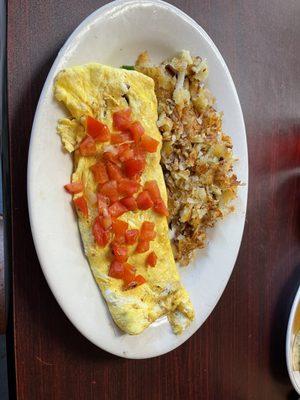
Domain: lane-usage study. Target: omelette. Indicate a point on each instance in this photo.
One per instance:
(121, 202)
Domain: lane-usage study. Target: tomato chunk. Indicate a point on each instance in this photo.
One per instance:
(125, 152)
(130, 203)
(97, 130)
(119, 239)
(136, 281)
(149, 144)
(114, 172)
(105, 221)
(128, 187)
(131, 236)
(121, 119)
(87, 147)
(142, 246)
(119, 252)
(144, 201)
(110, 190)
(101, 235)
(120, 138)
(99, 172)
(139, 279)
(110, 156)
(136, 131)
(153, 189)
(119, 227)
(117, 209)
(133, 167)
(75, 187)
(116, 270)
(160, 207)
(128, 274)
(147, 231)
(139, 153)
(81, 206)
(151, 259)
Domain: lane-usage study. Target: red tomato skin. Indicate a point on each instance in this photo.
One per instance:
(142, 246)
(130, 203)
(144, 201)
(151, 259)
(74, 187)
(131, 236)
(149, 144)
(117, 209)
(121, 119)
(81, 206)
(134, 166)
(87, 147)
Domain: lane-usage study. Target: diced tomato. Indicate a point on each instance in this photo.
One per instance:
(119, 227)
(143, 245)
(119, 252)
(122, 147)
(147, 226)
(139, 279)
(98, 130)
(81, 206)
(110, 156)
(149, 144)
(87, 147)
(128, 187)
(103, 203)
(130, 203)
(151, 259)
(75, 187)
(153, 189)
(105, 221)
(160, 207)
(110, 189)
(101, 235)
(128, 274)
(125, 152)
(139, 153)
(136, 131)
(147, 231)
(119, 239)
(131, 236)
(117, 209)
(114, 172)
(136, 281)
(99, 172)
(117, 138)
(121, 119)
(144, 201)
(133, 167)
(116, 269)
(104, 136)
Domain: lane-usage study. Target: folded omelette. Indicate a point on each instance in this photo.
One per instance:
(98, 91)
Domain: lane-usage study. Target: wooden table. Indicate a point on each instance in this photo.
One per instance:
(239, 352)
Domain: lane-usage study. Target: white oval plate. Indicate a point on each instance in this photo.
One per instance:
(115, 34)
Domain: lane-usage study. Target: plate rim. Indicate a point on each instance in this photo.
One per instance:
(90, 18)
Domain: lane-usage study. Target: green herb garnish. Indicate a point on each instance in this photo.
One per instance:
(129, 67)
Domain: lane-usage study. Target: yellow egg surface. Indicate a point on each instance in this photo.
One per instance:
(98, 91)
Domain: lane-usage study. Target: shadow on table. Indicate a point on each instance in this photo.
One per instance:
(293, 395)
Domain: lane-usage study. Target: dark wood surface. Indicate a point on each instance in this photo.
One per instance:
(239, 352)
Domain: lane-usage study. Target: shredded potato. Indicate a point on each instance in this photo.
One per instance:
(197, 157)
